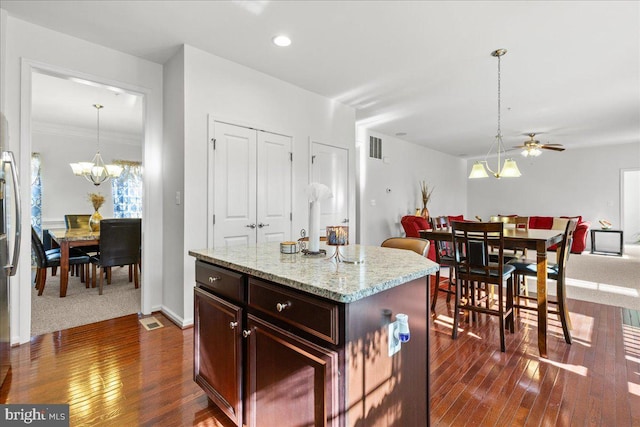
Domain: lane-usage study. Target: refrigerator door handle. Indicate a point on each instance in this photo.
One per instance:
(11, 267)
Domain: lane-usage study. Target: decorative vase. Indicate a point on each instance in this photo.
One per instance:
(94, 221)
(424, 213)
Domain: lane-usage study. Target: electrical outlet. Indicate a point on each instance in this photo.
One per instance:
(394, 341)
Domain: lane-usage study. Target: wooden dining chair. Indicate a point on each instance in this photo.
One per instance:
(51, 258)
(120, 241)
(555, 272)
(415, 244)
(476, 273)
(444, 257)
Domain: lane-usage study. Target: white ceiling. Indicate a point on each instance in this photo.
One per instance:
(572, 71)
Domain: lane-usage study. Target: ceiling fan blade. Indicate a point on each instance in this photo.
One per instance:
(556, 145)
(546, 147)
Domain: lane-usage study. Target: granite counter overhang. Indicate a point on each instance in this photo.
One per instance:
(382, 269)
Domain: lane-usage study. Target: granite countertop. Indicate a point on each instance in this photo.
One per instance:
(381, 269)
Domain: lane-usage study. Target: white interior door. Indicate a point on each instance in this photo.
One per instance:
(274, 187)
(330, 166)
(631, 205)
(234, 185)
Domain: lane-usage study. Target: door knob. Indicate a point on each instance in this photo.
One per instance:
(251, 226)
(345, 221)
(260, 225)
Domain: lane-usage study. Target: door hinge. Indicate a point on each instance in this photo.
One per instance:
(213, 140)
(290, 216)
(214, 219)
(291, 156)
(313, 159)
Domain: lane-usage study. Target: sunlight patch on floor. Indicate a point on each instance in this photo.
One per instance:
(576, 369)
(603, 287)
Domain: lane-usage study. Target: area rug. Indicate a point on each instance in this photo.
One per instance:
(82, 306)
(603, 279)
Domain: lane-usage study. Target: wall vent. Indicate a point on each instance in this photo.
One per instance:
(375, 147)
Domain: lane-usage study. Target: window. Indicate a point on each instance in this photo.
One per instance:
(36, 193)
(127, 190)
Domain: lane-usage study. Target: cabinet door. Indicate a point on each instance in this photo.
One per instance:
(290, 381)
(218, 352)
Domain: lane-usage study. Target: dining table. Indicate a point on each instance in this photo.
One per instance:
(67, 239)
(539, 240)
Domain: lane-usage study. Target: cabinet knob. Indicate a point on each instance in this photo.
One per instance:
(213, 279)
(246, 333)
(283, 306)
(233, 325)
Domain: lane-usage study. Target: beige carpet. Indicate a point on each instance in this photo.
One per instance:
(603, 279)
(81, 306)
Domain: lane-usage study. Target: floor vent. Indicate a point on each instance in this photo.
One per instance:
(151, 323)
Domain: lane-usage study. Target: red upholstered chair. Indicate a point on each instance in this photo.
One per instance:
(412, 225)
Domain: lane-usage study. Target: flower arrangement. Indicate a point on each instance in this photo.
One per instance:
(426, 193)
(96, 200)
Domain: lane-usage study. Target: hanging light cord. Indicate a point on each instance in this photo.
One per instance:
(98, 107)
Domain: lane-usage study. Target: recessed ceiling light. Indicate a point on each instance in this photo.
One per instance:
(281, 41)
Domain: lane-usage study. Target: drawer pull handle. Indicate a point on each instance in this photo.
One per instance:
(283, 306)
(233, 325)
(213, 279)
(246, 333)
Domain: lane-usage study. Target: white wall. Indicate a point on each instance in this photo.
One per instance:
(62, 192)
(173, 169)
(577, 181)
(215, 86)
(390, 188)
(30, 47)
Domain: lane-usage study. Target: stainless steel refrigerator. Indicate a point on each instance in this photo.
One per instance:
(9, 237)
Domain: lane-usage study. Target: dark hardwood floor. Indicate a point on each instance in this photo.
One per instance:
(117, 373)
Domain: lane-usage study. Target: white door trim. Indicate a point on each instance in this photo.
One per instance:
(21, 286)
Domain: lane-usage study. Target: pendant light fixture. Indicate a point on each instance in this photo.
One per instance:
(510, 168)
(96, 171)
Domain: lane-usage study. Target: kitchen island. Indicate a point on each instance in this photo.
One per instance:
(296, 340)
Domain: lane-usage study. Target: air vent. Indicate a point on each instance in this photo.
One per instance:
(375, 147)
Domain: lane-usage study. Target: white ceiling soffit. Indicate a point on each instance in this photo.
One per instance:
(424, 68)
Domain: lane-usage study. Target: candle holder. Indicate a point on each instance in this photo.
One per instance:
(338, 235)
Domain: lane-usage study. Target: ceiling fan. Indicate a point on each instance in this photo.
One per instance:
(533, 147)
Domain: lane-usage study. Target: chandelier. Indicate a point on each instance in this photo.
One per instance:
(96, 171)
(510, 168)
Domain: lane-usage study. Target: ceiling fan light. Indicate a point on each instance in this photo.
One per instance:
(510, 169)
(478, 171)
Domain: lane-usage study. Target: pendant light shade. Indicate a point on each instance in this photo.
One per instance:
(96, 171)
(510, 168)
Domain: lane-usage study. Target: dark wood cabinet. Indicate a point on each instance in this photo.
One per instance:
(290, 381)
(270, 355)
(218, 352)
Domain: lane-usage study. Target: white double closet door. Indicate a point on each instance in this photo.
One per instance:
(251, 186)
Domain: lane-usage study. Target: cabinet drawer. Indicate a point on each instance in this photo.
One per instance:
(315, 316)
(223, 282)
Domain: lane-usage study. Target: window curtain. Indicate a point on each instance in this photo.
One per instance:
(36, 193)
(127, 190)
